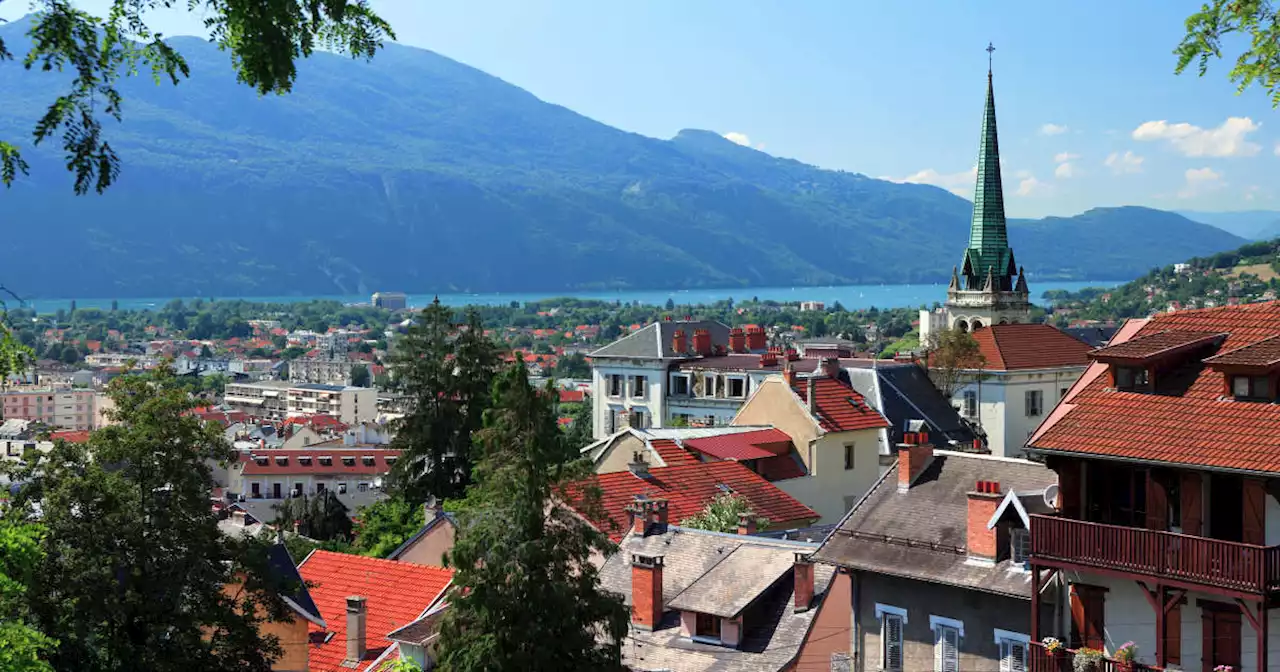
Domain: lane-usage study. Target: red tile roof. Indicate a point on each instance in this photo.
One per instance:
(571, 396)
(1263, 354)
(1007, 347)
(839, 407)
(1188, 420)
(688, 489)
(71, 436)
(759, 444)
(672, 455)
(253, 464)
(396, 594)
(780, 468)
(1156, 345)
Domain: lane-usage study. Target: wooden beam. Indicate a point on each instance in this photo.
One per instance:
(1035, 604)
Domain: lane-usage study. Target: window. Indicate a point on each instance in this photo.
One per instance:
(637, 419)
(297, 489)
(680, 385)
(367, 460)
(707, 625)
(737, 387)
(615, 385)
(1131, 379)
(320, 488)
(848, 456)
(1013, 650)
(1035, 403)
(1063, 392)
(970, 404)
(709, 385)
(326, 461)
(342, 488)
(255, 490)
(946, 649)
(349, 461)
(613, 421)
(362, 487)
(891, 621)
(1250, 387)
(639, 386)
(1020, 545)
(1087, 624)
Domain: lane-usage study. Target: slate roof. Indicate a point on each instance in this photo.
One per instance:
(921, 534)
(902, 392)
(1008, 347)
(1186, 420)
(1095, 336)
(774, 633)
(688, 489)
(280, 564)
(838, 407)
(732, 584)
(396, 593)
(654, 340)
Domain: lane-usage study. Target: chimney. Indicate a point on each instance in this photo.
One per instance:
(737, 340)
(648, 516)
(983, 543)
(830, 367)
(702, 342)
(356, 617)
(746, 523)
(646, 591)
(638, 465)
(431, 509)
(804, 582)
(811, 393)
(680, 341)
(237, 517)
(914, 454)
(755, 338)
(788, 373)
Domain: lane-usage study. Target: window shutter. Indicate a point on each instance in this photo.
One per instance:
(1255, 505)
(950, 650)
(891, 644)
(1192, 503)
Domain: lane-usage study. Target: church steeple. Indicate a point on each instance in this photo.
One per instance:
(988, 250)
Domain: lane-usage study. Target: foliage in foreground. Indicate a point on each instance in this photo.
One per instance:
(723, 513)
(1219, 21)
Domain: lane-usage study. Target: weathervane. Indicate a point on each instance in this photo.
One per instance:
(990, 48)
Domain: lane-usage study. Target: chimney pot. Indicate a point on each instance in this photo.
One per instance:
(646, 591)
(912, 459)
(357, 615)
(639, 465)
(804, 583)
(746, 523)
(983, 543)
(830, 367)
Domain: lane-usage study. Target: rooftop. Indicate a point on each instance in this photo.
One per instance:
(837, 406)
(654, 340)
(1009, 347)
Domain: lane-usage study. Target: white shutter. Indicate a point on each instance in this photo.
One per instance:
(947, 650)
(1013, 656)
(891, 643)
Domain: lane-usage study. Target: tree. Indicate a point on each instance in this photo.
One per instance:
(527, 596)
(264, 41)
(723, 513)
(205, 352)
(360, 375)
(320, 516)
(579, 433)
(386, 524)
(69, 354)
(950, 354)
(573, 365)
(445, 374)
(134, 565)
(1257, 20)
(22, 648)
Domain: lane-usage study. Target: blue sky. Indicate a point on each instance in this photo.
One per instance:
(1090, 111)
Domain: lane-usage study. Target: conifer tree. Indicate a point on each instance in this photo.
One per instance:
(321, 516)
(134, 567)
(527, 596)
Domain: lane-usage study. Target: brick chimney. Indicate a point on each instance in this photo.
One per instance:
(804, 582)
(788, 373)
(983, 543)
(830, 367)
(756, 340)
(702, 342)
(648, 516)
(914, 454)
(680, 341)
(737, 340)
(746, 523)
(357, 614)
(646, 591)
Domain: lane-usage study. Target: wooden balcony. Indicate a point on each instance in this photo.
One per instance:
(1174, 558)
(1040, 660)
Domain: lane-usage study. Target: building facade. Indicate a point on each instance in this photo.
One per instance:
(989, 287)
(61, 408)
(279, 399)
(390, 300)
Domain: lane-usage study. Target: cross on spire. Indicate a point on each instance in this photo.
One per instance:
(990, 48)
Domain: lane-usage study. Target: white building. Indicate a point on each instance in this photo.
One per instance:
(278, 399)
(279, 473)
(1028, 368)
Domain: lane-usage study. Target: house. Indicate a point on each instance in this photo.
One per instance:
(1026, 369)
(936, 555)
(837, 436)
(1167, 532)
(292, 633)
(429, 544)
(686, 490)
(362, 601)
(712, 601)
(279, 473)
(908, 399)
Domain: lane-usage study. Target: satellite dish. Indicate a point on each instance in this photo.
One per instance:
(1051, 496)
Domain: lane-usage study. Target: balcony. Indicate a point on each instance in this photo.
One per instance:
(1040, 660)
(1171, 557)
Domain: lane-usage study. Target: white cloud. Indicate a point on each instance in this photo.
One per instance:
(1251, 192)
(1229, 139)
(1200, 180)
(1023, 174)
(1064, 170)
(1123, 163)
(1063, 157)
(738, 138)
(960, 184)
(1030, 186)
(1278, 149)
(1053, 129)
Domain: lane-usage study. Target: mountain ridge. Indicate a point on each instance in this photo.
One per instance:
(417, 173)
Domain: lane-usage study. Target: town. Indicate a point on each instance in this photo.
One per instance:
(991, 480)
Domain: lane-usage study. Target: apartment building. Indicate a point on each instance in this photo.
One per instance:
(279, 473)
(279, 399)
(327, 371)
(62, 408)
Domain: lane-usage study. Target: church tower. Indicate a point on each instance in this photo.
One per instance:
(988, 288)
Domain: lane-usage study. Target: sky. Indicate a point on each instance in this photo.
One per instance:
(1090, 111)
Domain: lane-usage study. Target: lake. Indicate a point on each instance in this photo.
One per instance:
(849, 296)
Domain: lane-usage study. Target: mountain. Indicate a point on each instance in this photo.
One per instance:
(1249, 224)
(414, 172)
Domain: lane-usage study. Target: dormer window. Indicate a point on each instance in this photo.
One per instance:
(348, 461)
(1251, 388)
(1019, 546)
(1132, 379)
(707, 626)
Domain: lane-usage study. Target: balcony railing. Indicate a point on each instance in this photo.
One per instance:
(1197, 560)
(1040, 660)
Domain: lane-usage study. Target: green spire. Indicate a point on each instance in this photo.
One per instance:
(988, 249)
